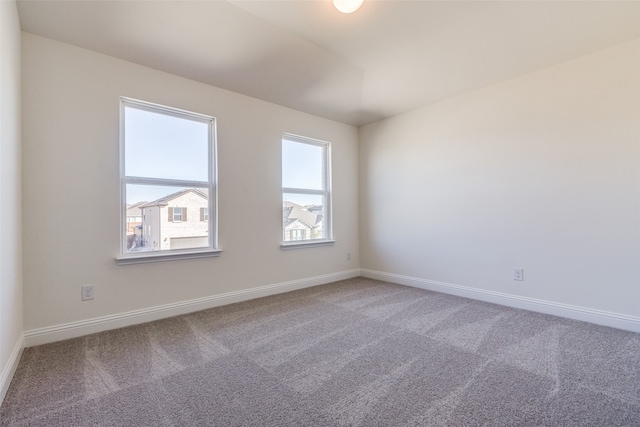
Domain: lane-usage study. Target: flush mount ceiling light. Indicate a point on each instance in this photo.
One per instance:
(347, 6)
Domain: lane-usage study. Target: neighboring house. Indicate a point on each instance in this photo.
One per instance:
(177, 221)
(301, 222)
(134, 217)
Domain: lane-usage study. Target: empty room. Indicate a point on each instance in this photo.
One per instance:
(319, 213)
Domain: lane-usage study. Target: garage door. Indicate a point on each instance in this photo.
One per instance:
(188, 242)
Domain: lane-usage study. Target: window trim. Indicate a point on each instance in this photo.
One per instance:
(182, 215)
(211, 186)
(326, 193)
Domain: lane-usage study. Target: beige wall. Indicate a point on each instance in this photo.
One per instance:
(10, 194)
(71, 189)
(540, 172)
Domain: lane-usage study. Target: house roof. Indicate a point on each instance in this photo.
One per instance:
(134, 209)
(293, 212)
(164, 201)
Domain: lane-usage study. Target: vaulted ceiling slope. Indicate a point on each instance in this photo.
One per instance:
(385, 59)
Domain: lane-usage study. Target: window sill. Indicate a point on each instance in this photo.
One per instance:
(140, 259)
(305, 244)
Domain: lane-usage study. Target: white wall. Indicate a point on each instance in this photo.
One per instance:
(70, 142)
(10, 195)
(541, 172)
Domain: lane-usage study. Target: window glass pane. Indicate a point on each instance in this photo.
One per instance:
(177, 214)
(170, 218)
(302, 165)
(303, 217)
(163, 146)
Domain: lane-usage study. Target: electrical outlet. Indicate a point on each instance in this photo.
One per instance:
(87, 292)
(348, 256)
(518, 274)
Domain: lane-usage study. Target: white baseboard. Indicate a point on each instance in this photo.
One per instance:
(614, 320)
(99, 324)
(10, 368)
(105, 323)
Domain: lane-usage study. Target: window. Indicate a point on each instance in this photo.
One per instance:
(204, 214)
(167, 167)
(177, 214)
(297, 234)
(306, 191)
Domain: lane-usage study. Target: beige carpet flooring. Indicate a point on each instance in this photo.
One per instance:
(358, 352)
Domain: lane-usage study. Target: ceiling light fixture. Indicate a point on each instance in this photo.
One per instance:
(347, 6)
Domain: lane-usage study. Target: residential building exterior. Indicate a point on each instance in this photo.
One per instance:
(177, 221)
(133, 217)
(301, 222)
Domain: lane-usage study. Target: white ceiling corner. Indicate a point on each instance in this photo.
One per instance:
(387, 58)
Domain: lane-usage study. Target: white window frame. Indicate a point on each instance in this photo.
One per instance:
(174, 214)
(210, 185)
(325, 192)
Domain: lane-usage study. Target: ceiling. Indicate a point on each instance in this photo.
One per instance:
(387, 58)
